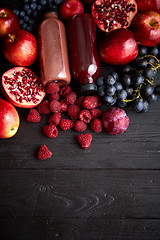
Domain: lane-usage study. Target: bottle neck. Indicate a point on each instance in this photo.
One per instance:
(50, 15)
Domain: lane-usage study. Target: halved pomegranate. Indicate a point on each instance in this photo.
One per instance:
(22, 87)
(113, 14)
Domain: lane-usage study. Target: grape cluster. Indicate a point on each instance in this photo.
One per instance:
(32, 11)
(132, 84)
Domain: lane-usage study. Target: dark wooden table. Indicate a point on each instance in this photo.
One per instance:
(109, 191)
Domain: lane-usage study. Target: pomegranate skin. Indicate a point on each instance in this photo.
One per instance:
(118, 47)
(115, 121)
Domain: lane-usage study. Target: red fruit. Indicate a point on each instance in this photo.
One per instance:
(9, 22)
(73, 111)
(20, 48)
(22, 87)
(96, 125)
(9, 119)
(90, 102)
(33, 116)
(88, 2)
(44, 153)
(146, 28)
(66, 124)
(111, 15)
(95, 113)
(80, 126)
(43, 107)
(64, 105)
(55, 118)
(50, 131)
(148, 5)
(69, 8)
(115, 121)
(118, 47)
(55, 106)
(70, 98)
(85, 116)
(65, 90)
(52, 88)
(54, 96)
(79, 101)
(85, 140)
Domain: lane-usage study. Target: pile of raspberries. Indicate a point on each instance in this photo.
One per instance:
(80, 111)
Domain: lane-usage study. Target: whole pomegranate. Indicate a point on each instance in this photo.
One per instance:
(118, 47)
(113, 14)
(22, 87)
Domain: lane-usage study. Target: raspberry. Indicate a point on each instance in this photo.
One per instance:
(73, 111)
(115, 120)
(80, 126)
(85, 140)
(85, 116)
(55, 118)
(43, 107)
(95, 113)
(52, 88)
(99, 101)
(64, 105)
(66, 124)
(90, 102)
(50, 131)
(65, 90)
(79, 101)
(54, 96)
(96, 125)
(55, 106)
(70, 98)
(44, 153)
(33, 116)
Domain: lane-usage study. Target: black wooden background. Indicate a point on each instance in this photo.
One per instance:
(110, 191)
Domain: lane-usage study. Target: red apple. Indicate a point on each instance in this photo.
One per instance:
(9, 120)
(69, 8)
(146, 28)
(118, 47)
(20, 48)
(147, 5)
(9, 22)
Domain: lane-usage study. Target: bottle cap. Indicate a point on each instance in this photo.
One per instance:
(51, 9)
(88, 89)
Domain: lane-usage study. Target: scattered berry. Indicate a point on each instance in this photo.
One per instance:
(66, 124)
(73, 111)
(44, 153)
(85, 140)
(43, 107)
(33, 116)
(70, 98)
(95, 113)
(64, 105)
(55, 118)
(115, 121)
(79, 101)
(96, 125)
(55, 106)
(90, 102)
(50, 131)
(80, 126)
(54, 96)
(65, 90)
(52, 88)
(85, 116)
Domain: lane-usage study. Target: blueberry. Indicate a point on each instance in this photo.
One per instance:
(24, 25)
(29, 28)
(22, 13)
(109, 79)
(152, 98)
(138, 105)
(154, 51)
(142, 51)
(109, 101)
(126, 68)
(101, 91)
(99, 81)
(126, 80)
(31, 22)
(29, 12)
(118, 86)
(110, 90)
(151, 59)
(121, 104)
(26, 7)
(129, 90)
(26, 19)
(147, 90)
(57, 2)
(148, 73)
(26, 1)
(21, 21)
(43, 2)
(33, 1)
(142, 63)
(157, 89)
(145, 106)
(34, 14)
(115, 75)
(33, 6)
(121, 95)
(39, 8)
(16, 11)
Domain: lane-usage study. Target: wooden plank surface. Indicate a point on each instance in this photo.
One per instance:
(109, 191)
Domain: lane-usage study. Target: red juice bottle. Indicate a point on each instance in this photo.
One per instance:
(84, 58)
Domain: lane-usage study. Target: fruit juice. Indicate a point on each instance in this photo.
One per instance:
(53, 52)
(84, 58)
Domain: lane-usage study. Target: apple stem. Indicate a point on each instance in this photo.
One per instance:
(12, 37)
